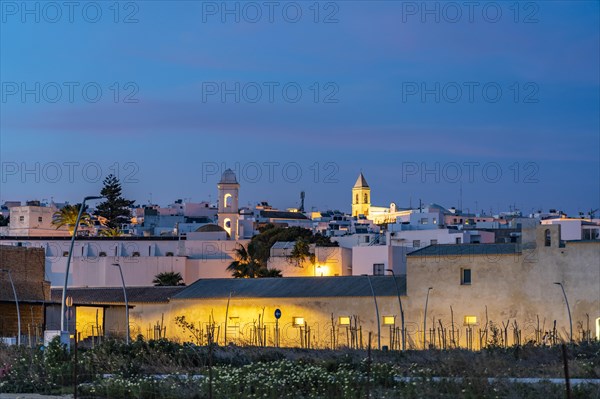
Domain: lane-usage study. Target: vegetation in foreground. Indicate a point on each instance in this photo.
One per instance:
(165, 369)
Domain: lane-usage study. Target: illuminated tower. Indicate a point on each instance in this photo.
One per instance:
(361, 197)
(228, 211)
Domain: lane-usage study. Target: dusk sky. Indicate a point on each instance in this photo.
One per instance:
(502, 100)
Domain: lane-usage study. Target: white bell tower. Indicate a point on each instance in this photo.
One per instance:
(228, 211)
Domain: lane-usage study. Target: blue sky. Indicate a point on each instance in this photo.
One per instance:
(502, 101)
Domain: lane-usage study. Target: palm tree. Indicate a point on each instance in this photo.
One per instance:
(264, 272)
(67, 216)
(168, 279)
(111, 232)
(247, 266)
(300, 253)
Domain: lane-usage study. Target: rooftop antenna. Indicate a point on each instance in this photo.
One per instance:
(460, 197)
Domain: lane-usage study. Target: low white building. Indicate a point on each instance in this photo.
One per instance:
(375, 260)
(328, 261)
(34, 221)
(204, 254)
(576, 229)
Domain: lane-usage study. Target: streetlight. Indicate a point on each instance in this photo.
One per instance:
(401, 310)
(126, 302)
(425, 319)
(376, 312)
(17, 302)
(569, 311)
(64, 292)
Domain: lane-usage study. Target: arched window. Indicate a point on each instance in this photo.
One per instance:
(547, 238)
(227, 201)
(227, 226)
(366, 198)
(356, 199)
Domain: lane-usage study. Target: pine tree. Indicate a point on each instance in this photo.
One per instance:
(116, 208)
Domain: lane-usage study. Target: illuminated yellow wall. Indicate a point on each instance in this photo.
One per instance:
(86, 319)
(244, 314)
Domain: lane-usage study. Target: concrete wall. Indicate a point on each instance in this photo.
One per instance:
(141, 259)
(517, 287)
(393, 257)
(137, 271)
(244, 313)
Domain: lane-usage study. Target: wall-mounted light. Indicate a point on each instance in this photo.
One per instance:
(389, 320)
(470, 320)
(344, 320)
(298, 321)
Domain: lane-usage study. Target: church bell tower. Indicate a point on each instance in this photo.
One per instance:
(361, 197)
(228, 211)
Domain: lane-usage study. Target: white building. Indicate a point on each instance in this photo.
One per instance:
(576, 229)
(34, 221)
(204, 254)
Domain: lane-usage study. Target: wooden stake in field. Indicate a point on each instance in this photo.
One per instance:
(368, 387)
(452, 338)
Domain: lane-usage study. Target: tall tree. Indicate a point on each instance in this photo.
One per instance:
(247, 266)
(67, 216)
(260, 245)
(168, 279)
(115, 209)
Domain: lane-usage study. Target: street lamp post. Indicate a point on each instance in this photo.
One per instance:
(126, 302)
(401, 310)
(376, 312)
(568, 311)
(17, 303)
(64, 292)
(425, 320)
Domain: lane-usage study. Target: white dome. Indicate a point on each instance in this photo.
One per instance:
(228, 177)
